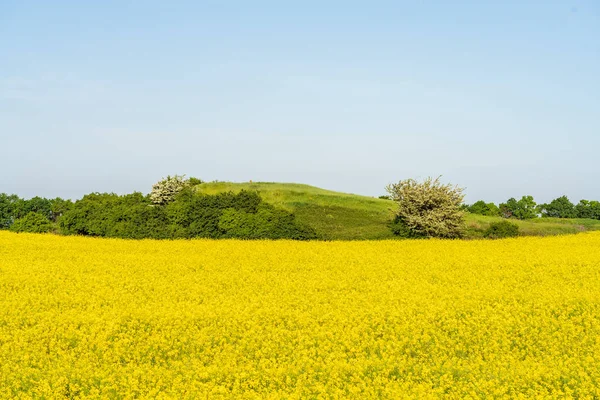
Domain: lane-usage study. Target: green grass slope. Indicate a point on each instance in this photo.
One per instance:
(333, 215)
(343, 216)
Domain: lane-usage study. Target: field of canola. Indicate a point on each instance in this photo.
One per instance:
(83, 317)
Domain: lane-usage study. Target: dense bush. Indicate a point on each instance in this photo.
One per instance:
(400, 229)
(526, 208)
(110, 215)
(429, 208)
(33, 222)
(558, 208)
(266, 223)
(189, 215)
(482, 208)
(502, 229)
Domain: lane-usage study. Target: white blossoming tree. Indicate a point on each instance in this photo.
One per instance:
(429, 208)
(165, 190)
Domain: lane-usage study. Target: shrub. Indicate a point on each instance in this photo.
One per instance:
(400, 229)
(558, 208)
(165, 190)
(267, 223)
(522, 209)
(32, 222)
(502, 229)
(430, 208)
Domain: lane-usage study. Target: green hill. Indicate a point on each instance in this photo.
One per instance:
(333, 215)
(343, 216)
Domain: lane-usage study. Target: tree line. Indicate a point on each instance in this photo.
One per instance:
(172, 210)
(527, 208)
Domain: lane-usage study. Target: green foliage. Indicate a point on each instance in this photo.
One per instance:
(36, 204)
(588, 209)
(58, 207)
(266, 223)
(7, 210)
(558, 208)
(482, 208)
(526, 208)
(385, 197)
(133, 216)
(32, 222)
(192, 181)
(333, 215)
(401, 230)
(12, 208)
(429, 208)
(130, 216)
(502, 229)
(189, 215)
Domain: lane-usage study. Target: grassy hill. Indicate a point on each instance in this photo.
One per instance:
(343, 216)
(333, 215)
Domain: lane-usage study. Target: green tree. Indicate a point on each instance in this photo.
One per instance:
(36, 204)
(526, 208)
(192, 181)
(482, 208)
(588, 209)
(58, 207)
(7, 209)
(558, 208)
(429, 208)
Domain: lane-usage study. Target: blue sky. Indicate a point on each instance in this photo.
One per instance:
(502, 98)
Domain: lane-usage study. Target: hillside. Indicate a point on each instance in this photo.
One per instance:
(343, 216)
(333, 215)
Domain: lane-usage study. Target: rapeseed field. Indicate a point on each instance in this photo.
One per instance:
(102, 318)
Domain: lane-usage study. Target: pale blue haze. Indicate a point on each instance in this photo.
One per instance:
(500, 97)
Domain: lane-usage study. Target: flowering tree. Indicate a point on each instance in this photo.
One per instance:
(165, 190)
(429, 208)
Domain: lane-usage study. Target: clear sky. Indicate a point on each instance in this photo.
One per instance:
(501, 97)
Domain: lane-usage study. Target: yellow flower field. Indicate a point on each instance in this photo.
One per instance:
(104, 318)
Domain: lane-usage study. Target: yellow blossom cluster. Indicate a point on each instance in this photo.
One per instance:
(107, 318)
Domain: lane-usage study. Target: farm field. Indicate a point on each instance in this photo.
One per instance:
(97, 318)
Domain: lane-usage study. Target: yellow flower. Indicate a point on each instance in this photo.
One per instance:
(106, 318)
